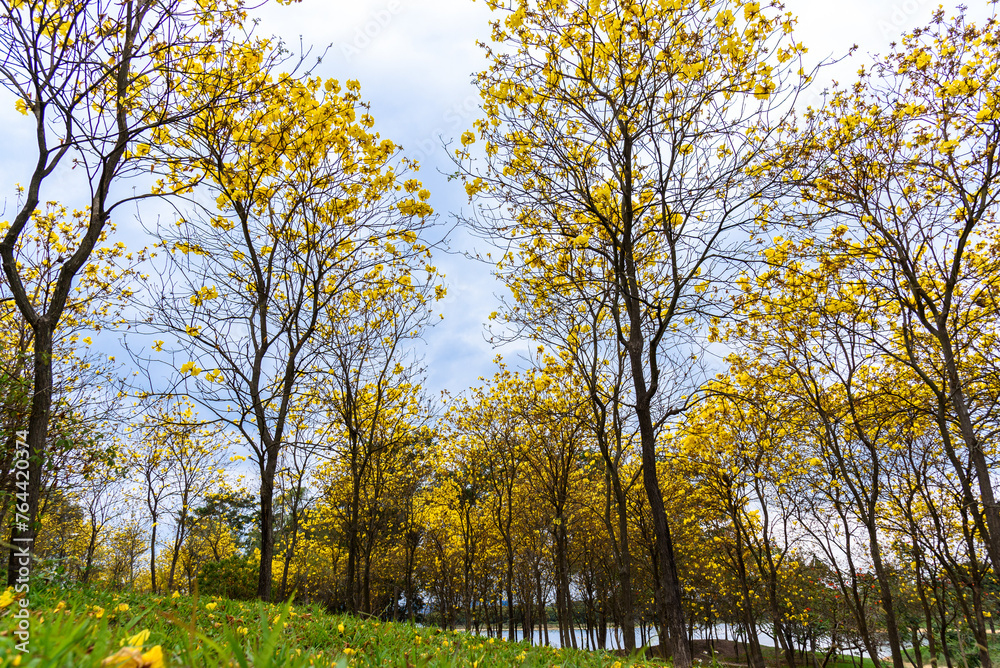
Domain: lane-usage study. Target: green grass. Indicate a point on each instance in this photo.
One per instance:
(81, 628)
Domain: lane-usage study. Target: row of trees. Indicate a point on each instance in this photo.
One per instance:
(292, 273)
(661, 202)
(638, 155)
(507, 520)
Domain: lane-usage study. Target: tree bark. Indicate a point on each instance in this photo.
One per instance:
(266, 524)
(152, 553)
(22, 535)
(671, 612)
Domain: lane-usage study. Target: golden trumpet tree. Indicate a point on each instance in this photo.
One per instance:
(737, 445)
(806, 330)
(94, 79)
(484, 429)
(635, 134)
(908, 180)
(372, 394)
(312, 208)
(80, 381)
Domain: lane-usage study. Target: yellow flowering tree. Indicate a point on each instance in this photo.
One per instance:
(96, 81)
(311, 208)
(637, 134)
(908, 183)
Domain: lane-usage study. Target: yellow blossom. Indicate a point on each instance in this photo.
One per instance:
(138, 640)
(189, 367)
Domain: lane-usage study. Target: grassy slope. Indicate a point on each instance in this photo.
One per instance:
(81, 628)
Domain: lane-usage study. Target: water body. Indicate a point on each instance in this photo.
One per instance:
(614, 639)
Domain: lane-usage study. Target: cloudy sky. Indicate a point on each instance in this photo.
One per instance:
(415, 60)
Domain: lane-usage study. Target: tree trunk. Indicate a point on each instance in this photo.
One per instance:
(671, 612)
(885, 591)
(527, 623)
(978, 625)
(152, 553)
(91, 547)
(266, 524)
(512, 626)
(928, 621)
(755, 655)
(543, 615)
(178, 542)
(366, 584)
(602, 627)
(354, 512)
(990, 508)
(413, 541)
(624, 569)
(22, 535)
(290, 552)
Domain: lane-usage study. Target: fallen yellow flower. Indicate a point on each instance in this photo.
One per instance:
(134, 657)
(138, 640)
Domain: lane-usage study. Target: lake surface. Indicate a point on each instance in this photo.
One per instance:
(614, 640)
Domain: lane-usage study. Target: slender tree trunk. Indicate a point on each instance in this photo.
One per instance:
(990, 508)
(942, 619)
(413, 541)
(179, 536)
(564, 602)
(22, 535)
(354, 512)
(527, 623)
(290, 552)
(624, 569)
(366, 584)
(978, 625)
(602, 627)
(775, 604)
(918, 661)
(755, 655)
(543, 615)
(152, 553)
(91, 547)
(511, 623)
(671, 612)
(669, 585)
(266, 524)
(885, 591)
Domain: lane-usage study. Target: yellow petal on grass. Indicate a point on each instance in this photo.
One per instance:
(6, 598)
(139, 639)
(153, 658)
(134, 657)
